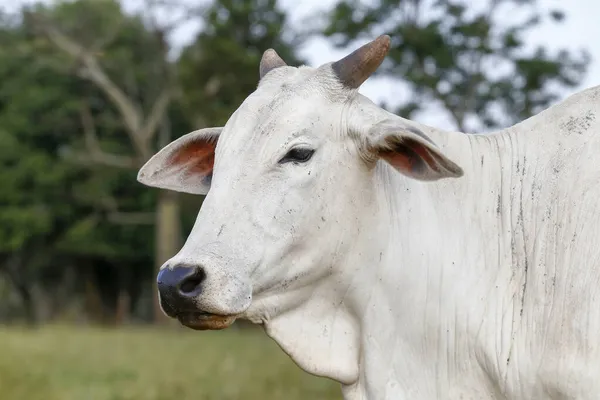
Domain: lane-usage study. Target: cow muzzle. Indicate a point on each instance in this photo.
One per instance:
(180, 288)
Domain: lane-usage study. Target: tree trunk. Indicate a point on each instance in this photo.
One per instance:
(123, 307)
(28, 304)
(12, 268)
(168, 224)
(93, 300)
(168, 238)
(123, 304)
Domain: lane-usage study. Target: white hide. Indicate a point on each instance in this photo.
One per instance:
(483, 286)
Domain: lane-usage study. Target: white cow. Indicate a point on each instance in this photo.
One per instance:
(329, 222)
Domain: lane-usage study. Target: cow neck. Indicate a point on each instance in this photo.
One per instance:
(322, 333)
(417, 313)
(367, 327)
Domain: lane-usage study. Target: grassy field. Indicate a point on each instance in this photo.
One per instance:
(68, 363)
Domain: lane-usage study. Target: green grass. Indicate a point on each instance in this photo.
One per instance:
(68, 363)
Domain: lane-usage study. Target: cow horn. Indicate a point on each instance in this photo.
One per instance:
(269, 61)
(357, 66)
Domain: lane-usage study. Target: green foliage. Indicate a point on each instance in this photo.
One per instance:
(60, 210)
(46, 194)
(33, 118)
(221, 67)
(476, 64)
(54, 211)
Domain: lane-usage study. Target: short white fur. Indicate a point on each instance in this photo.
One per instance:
(481, 282)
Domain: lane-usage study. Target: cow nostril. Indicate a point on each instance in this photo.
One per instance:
(191, 284)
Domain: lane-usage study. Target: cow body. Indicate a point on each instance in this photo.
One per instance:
(485, 287)
(397, 285)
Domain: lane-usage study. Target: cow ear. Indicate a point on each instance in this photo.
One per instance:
(410, 151)
(184, 165)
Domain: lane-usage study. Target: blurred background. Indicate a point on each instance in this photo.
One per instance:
(89, 90)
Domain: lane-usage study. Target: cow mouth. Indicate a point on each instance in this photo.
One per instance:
(201, 321)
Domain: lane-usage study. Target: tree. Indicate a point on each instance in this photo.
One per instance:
(126, 98)
(220, 67)
(475, 64)
(33, 199)
(58, 216)
(125, 59)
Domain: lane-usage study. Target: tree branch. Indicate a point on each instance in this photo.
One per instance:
(107, 160)
(131, 114)
(125, 218)
(95, 154)
(131, 218)
(157, 113)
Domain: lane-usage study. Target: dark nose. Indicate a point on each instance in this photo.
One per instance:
(178, 286)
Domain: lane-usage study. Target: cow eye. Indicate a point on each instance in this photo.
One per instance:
(298, 154)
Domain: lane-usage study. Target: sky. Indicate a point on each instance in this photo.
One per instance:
(581, 24)
(580, 30)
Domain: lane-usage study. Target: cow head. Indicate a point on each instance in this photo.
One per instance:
(287, 181)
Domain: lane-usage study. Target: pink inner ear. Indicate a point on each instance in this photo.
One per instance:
(196, 157)
(409, 156)
(398, 160)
